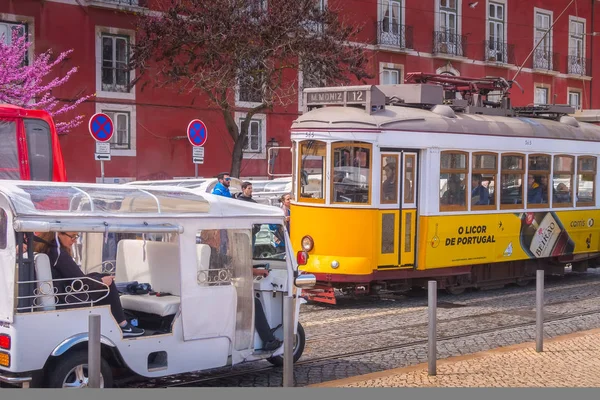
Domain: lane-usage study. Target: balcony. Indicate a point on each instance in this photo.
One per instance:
(394, 35)
(449, 43)
(499, 52)
(577, 65)
(544, 59)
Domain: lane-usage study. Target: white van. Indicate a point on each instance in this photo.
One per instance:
(196, 250)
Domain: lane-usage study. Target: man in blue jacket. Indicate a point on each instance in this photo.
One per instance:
(222, 187)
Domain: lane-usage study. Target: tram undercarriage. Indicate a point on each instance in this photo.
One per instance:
(453, 280)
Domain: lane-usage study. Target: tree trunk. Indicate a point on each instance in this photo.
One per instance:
(237, 156)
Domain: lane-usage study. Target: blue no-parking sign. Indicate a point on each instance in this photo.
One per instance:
(101, 127)
(197, 133)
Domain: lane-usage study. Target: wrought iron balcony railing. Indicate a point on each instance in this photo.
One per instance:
(395, 35)
(497, 51)
(138, 3)
(577, 65)
(544, 59)
(445, 42)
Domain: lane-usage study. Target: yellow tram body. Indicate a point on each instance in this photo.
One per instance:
(362, 231)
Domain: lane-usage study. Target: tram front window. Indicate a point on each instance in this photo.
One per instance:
(351, 173)
(313, 158)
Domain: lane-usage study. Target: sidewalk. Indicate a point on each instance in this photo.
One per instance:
(567, 361)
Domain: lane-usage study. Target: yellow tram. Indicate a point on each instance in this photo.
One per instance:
(395, 185)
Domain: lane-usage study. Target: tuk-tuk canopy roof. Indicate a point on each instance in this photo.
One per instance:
(83, 199)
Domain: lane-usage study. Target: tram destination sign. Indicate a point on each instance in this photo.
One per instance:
(337, 97)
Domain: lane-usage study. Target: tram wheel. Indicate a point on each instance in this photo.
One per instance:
(522, 282)
(71, 371)
(455, 290)
(299, 342)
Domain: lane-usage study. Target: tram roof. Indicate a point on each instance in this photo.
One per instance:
(65, 199)
(443, 119)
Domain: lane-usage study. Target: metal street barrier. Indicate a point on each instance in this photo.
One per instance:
(432, 311)
(94, 355)
(539, 312)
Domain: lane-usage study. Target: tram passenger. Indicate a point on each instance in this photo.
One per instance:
(562, 194)
(389, 184)
(479, 194)
(455, 194)
(285, 206)
(544, 186)
(534, 191)
(58, 247)
(222, 187)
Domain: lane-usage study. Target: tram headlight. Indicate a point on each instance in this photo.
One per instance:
(307, 243)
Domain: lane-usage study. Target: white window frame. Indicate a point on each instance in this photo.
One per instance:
(262, 153)
(505, 22)
(546, 88)
(30, 24)
(437, 18)
(114, 117)
(550, 35)
(578, 92)
(300, 88)
(381, 14)
(582, 21)
(127, 108)
(240, 103)
(391, 66)
(100, 30)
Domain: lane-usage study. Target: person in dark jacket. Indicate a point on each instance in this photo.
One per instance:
(246, 193)
(58, 248)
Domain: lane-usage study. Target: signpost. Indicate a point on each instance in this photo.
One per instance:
(197, 135)
(101, 128)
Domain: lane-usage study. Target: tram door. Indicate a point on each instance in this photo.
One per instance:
(398, 209)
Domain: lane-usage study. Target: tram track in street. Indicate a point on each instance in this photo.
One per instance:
(334, 357)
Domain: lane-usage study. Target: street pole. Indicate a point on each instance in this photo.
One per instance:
(432, 308)
(94, 355)
(288, 341)
(539, 312)
(102, 170)
(196, 170)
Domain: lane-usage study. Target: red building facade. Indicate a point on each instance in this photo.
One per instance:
(459, 37)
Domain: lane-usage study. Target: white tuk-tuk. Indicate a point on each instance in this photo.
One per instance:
(196, 249)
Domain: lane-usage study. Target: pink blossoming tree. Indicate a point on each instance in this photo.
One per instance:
(27, 86)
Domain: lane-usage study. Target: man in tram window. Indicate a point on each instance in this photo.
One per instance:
(544, 188)
(534, 191)
(562, 194)
(479, 194)
(455, 195)
(389, 184)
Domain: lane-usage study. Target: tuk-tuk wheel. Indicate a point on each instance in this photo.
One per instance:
(71, 371)
(299, 342)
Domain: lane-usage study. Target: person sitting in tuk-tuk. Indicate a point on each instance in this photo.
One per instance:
(58, 248)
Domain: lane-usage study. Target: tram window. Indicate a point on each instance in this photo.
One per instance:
(562, 180)
(39, 144)
(409, 179)
(586, 176)
(511, 181)
(3, 228)
(537, 180)
(351, 173)
(483, 181)
(268, 242)
(389, 181)
(453, 174)
(313, 158)
(9, 155)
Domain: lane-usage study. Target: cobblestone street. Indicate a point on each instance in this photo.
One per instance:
(366, 336)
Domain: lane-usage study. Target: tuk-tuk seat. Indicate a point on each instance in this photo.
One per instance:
(156, 263)
(45, 295)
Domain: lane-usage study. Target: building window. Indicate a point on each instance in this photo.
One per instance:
(576, 62)
(543, 54)
(497, 47)
(447, 39)
(541, 95)
(309, 76)
(390, 76)
(453, 173)
(115, 61)
(11, 31)
(575, 100)
(250, 83)
(254, 145)
(586, 176)
(391, 28)
(121, 136)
